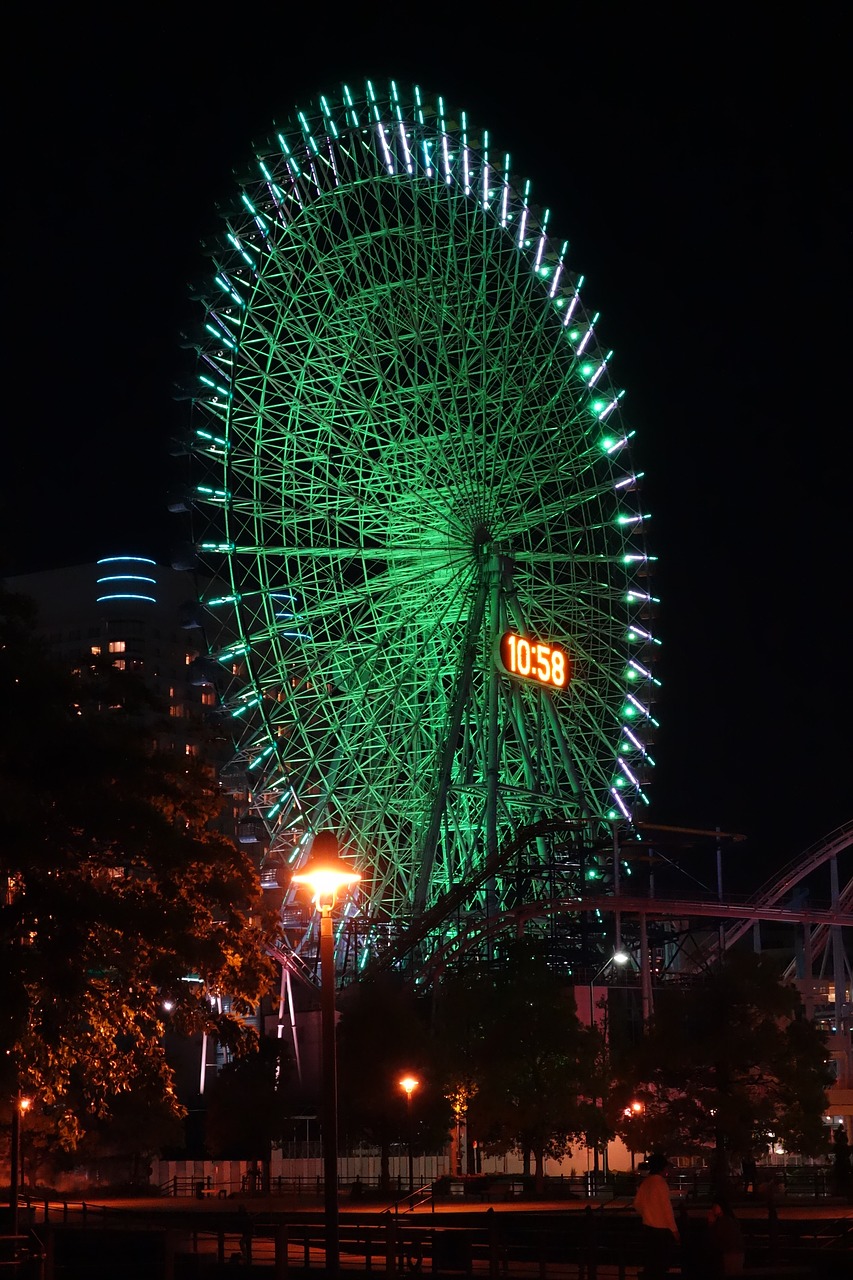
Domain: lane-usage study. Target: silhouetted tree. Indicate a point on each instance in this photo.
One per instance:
(730, 1063)
(120, 893)
(251, 1103)
(513, 1039)
(383, 1035)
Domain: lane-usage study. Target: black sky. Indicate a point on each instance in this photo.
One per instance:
(699, 169)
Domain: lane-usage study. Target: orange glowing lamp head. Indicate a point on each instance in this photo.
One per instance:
(326, 873)
(409, 1084)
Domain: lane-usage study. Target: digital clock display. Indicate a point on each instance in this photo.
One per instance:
(536, 660)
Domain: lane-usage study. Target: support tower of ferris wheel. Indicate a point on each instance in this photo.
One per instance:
(431, 610)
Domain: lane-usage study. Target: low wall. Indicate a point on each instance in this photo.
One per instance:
(241, 1175)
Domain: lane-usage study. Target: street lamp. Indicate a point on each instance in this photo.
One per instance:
(631, 1112)
(326, 875)
(20, 1106)
(619, 958)
(409, 1084)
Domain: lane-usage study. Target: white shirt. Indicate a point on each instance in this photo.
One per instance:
(653, 1204)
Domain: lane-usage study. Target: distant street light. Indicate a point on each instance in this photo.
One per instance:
(409, 1084)
(631, 1112)
(619, 958)
(326, 875)
(20, 1106)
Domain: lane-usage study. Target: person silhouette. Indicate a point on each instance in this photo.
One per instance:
(660, 1233)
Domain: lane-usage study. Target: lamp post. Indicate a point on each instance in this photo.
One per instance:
(630, 1113)
(619, 958)
(20, 1106)
(409, 1084)
(326, 874)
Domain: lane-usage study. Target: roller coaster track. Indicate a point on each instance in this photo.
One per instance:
(765, 905)
(821, 935)
(653, 908)
(745, 912)
(773, 891)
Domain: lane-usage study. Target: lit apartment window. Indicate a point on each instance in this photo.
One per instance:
(118, 646)
(208, 698)
(120, 664)
(95, 650)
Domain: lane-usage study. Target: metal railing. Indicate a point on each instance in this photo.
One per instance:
(773, 1183)
(590, 1243)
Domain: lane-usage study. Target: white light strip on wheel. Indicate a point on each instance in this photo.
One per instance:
(485, 168)
(585, 339)
(559, 270)
(402, 128)
(389, 163)
(628, 774)
(466, 175)
(574, 302)
(523, 222)
(643, 672)
(444, 148)
(616, 796)
(643, 710)
(542, 241)
(636, 741)
(600, 370)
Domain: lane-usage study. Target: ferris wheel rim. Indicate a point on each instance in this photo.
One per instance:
(511, 204)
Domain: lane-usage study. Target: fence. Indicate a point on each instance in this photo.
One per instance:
(773, 1185)
(590, 1243)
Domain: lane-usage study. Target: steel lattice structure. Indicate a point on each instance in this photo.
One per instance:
(416, 446)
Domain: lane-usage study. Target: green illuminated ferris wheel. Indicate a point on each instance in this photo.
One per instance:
(417, 450)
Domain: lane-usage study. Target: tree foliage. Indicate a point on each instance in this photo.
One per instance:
(119, 891)
(383, 1035)
(251, 1103)
(513, 1042)
(729, 1064)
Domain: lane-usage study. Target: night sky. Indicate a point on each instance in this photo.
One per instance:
(700, 172)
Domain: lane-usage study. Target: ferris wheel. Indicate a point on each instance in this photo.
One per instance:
(427, 522)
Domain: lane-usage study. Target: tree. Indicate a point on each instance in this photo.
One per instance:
(120, 892)
(120, 1146)
(383, 1035)
(515, 1042)
(250, 1105)
(729, 1063)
